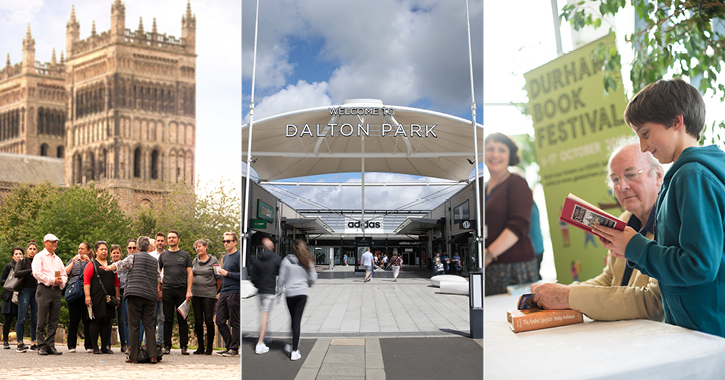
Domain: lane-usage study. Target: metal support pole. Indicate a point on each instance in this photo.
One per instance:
(362, 222)
(479, 221)
(245, 220)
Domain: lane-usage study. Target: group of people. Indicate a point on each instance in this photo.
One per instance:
(141, 291)
(668, 262)
(370, 262)
(273, 275)
(446, 264)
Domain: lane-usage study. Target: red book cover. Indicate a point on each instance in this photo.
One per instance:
(535, 319)
(581, 214)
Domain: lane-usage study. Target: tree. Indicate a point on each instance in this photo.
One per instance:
(18, 213)
(204, 212)
(678, 37)
(72, 214)
(79, 214)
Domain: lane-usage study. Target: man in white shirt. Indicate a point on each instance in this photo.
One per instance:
(49, 270)
(367, 262)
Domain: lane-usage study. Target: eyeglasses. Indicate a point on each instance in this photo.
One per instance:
(228, 241)
(629, 175)
(131, 248)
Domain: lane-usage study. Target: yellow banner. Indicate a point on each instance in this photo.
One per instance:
(575, 127)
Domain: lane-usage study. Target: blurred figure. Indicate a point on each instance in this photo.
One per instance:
(509, 252)
(296, 275)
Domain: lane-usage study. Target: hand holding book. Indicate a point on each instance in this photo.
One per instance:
(614, 240)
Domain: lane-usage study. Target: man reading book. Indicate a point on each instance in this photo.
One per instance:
(620, 292)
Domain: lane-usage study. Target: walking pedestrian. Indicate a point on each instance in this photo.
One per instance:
(367, 262)
(263, 274)
(397, 263)
(456, 263)
(296, 275)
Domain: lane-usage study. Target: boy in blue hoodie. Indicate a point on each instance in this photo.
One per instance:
(687, 255)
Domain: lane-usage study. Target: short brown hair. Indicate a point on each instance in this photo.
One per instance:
(503, 139)
(162, 235)
(233, 234)
(175, 233)
(662, 101)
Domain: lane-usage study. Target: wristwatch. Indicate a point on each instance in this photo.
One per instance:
(489, 255)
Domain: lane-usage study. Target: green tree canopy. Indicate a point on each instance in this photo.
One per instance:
(204, 212)
(685, 38)
(72, 214)
(675, 37)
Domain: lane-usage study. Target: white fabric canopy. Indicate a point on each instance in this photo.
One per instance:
(396, 140)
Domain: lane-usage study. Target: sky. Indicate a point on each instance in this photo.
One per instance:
(218, 63)
(410, 53)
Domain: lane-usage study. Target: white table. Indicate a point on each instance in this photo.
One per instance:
(635, 349)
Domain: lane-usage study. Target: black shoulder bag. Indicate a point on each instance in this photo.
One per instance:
(111, 300)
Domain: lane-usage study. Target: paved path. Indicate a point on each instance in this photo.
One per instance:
(377, 330)
(81, 365)
(339, 308)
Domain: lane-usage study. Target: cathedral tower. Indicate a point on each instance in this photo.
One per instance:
(131, 124)
(32, 104)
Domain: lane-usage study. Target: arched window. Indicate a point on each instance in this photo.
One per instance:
(90, 167)
(137, 163)
(155, 164)
(60, 151)
(78, 161)
(102, 164)
(44, 150)
(41, 120)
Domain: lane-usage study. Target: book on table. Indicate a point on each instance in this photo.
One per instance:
(582, 214)
(534, 318)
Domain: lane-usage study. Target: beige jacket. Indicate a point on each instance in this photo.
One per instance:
(603, 298)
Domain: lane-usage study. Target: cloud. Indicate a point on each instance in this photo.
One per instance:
(278, 20)
(19, 12)
(401, 52)
(293, 97)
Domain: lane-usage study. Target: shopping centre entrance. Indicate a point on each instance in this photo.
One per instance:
(361, 136)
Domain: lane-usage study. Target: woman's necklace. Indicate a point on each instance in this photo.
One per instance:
(490, 187)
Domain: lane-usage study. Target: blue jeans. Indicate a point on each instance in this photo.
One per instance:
(122, 323)
(26, 298)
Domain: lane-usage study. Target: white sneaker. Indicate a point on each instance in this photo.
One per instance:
(295, 355)
(287, 348)
(72, 350)
(261, 349)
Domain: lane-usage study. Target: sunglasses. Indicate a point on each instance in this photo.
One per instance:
(131, 248)
(228, 241)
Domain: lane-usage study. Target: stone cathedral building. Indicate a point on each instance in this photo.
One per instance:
(119, 108)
